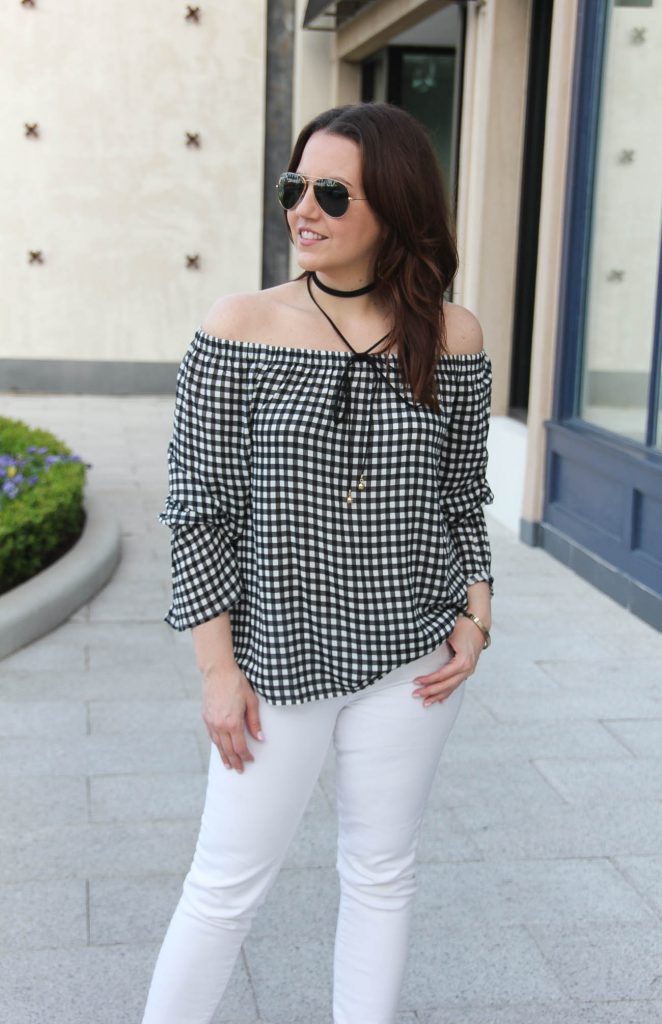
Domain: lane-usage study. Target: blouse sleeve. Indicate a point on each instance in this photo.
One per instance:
(462, 466)
(209, 484)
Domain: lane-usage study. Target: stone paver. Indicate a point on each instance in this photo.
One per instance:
(540, 861)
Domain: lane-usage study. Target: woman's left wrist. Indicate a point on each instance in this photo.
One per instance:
(480, 624)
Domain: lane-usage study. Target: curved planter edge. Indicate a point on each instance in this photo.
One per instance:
(53, 595)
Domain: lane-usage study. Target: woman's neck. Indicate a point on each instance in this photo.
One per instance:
(343, 290)
(362, 319)
(363, 304)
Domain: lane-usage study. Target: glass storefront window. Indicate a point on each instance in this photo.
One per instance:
(427, 82)
(625, 227)
(422, 81)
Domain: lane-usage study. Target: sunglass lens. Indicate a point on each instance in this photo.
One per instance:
(290, 189)
(332, 196)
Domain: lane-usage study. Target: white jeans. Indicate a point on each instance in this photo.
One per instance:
(387, 749)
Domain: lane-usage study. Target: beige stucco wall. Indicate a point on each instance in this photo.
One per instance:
(550, 241)
(110, 192)
(494, 99)
(313, 71)
(375, 25)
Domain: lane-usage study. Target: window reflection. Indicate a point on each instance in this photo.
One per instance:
(624, 245)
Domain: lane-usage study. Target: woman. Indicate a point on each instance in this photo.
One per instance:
(330, 554)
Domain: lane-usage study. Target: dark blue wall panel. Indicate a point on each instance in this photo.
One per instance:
(607, 498)
(595, 501)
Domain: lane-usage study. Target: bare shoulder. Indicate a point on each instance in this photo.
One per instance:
(234, 316)
(248, 316)
(464, 334)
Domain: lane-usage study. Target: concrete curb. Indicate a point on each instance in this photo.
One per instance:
(49, 598)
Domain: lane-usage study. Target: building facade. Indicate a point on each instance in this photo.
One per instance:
(130, 184)
(543, 116)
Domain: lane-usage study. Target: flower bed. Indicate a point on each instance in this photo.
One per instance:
(41, 501)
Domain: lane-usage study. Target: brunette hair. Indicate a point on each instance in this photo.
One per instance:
(418, 257)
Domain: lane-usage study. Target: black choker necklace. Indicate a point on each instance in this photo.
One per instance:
(340, 294)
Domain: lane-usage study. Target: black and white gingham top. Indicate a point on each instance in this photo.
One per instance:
(324, 597)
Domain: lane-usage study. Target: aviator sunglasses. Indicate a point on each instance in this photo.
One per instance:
(331, 195)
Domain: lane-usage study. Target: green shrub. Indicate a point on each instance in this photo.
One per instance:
(41, 501)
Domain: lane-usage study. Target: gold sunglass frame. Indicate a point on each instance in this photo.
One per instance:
(313, 181)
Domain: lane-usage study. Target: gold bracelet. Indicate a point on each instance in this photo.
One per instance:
(481, 625)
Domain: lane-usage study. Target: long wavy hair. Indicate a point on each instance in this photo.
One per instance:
(418, 258)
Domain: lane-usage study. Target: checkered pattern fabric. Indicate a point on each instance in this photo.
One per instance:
(324, 597)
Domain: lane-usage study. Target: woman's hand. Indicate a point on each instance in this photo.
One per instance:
(467, 641)
(229, 700)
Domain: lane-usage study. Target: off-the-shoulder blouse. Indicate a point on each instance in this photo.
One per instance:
(337, 521)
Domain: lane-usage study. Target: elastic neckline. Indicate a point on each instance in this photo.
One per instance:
(285, 349)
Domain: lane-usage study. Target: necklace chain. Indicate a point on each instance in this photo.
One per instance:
(337, 329)
(361, 483)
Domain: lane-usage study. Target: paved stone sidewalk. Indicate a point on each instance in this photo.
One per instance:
(540, 879)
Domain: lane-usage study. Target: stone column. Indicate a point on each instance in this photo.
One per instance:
(277, 136)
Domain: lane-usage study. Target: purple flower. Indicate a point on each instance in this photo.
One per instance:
(24, 469)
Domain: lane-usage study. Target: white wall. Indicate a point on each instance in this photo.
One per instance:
(110, 192)
(506, 469)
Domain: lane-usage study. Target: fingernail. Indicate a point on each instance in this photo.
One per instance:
(260, 736)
